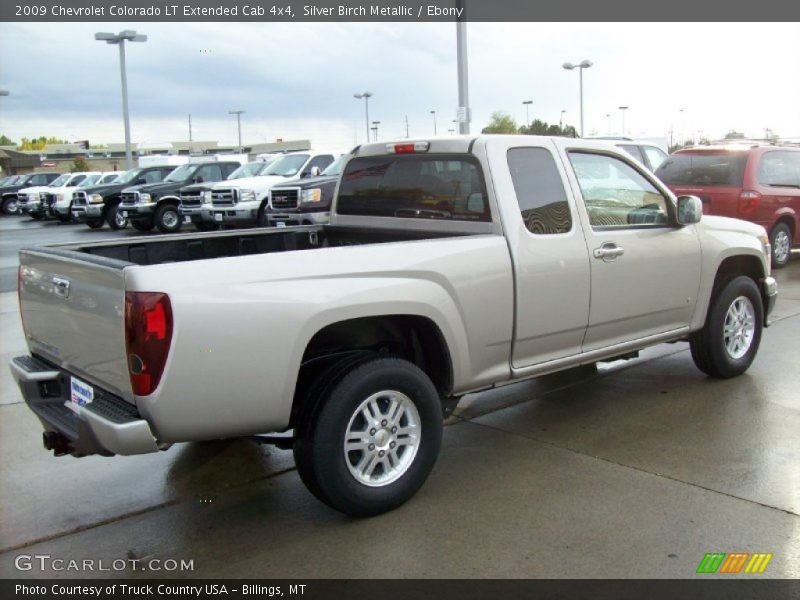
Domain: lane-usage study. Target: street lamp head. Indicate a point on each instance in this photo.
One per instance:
(527, 101)
(585, 64)
(3, 92)
(433, 112)
(568, 66)
(115, 38)
(363, 95)
(235, 112)
(623, 107)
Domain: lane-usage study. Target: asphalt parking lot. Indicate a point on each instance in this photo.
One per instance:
(634, 469)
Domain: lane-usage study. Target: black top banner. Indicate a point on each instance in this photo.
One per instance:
(397, 10)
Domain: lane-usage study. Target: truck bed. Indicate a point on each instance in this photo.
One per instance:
(183, 248)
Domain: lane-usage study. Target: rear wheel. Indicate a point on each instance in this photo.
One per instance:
(781, 242)
(67, 218)
(168, 219)
(372, 439)
(727, 344)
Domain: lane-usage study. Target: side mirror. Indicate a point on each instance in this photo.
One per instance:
(690, 210)
(315, 171)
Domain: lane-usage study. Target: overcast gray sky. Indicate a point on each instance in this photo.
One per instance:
(297, 80)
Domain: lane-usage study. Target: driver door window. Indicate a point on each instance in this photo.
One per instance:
(616, 195)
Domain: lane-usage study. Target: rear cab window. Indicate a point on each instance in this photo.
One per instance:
(721, 168)
(540, 191)
(435, 186)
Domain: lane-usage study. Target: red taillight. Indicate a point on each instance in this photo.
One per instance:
(148, 334)
(408, 148)
(748, 202)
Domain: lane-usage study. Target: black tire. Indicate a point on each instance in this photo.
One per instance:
(65, 218)
(35, 216)
(203, 226)
(94, 224)
(141, 225)
(780, 238)
(10, 206)
(168, 218)
(261, 219)
(319, 443)
(115, 219)
(709, 350)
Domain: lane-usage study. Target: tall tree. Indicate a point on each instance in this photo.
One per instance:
(7, 141)
(501, 123)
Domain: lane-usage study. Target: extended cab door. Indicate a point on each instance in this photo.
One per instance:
(645, 269)
(548, 250)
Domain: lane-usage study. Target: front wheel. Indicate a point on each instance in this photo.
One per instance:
(371, 439)
(781, 242)
(115, 219)
(10, 206)
(728, 342)
(168, 219)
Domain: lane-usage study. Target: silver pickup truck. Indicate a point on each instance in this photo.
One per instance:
(449, 266)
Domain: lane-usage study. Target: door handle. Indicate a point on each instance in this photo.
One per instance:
(608, 252)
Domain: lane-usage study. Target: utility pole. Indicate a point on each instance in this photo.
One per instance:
(464, 116)
(190, 128)
(407, 136)
(238, 114)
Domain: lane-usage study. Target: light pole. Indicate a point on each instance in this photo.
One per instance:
(120, 39)
(433, 112)
(584, 64)
(375, 128)
(608, 118)
(464, 116)
(623, 109)
(238, 114)
(527, 103)
(3, 92)
(366, 96)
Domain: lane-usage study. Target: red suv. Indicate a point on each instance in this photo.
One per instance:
(756, 183)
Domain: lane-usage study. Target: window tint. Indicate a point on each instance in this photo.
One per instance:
(540, 190)
(414, 187)
(654, 155)
(42, 179)
(780, 169)
(616, 194)
(708, 168)
(209, 173)
(152, 176)
(633, 151)
(76, 180)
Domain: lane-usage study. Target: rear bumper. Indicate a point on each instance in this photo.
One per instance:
(769, 291)
(107, 426)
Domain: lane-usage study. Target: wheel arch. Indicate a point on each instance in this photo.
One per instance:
(413, 337)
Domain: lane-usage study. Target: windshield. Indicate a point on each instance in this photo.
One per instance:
(286, 166)
(90, 180)
(61, 180)
(335, 168)
(181, 173)
(248, 170)
(709, 168)
(129, 176)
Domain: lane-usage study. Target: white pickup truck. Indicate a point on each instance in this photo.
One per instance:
(449, 266)
(244, 201)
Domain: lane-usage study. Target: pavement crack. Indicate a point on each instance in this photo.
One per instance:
(632, 467)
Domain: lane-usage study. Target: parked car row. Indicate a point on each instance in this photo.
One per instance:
(205, 193)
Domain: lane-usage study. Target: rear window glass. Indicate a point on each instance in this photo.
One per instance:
(780, 169)
(704, 169)
(414, 187)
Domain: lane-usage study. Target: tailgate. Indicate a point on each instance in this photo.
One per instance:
(73, 312)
